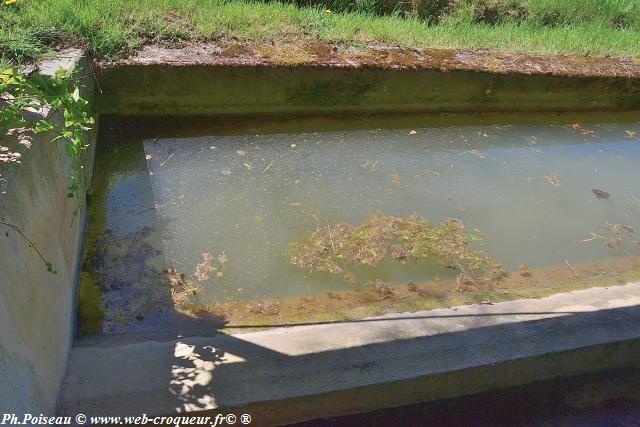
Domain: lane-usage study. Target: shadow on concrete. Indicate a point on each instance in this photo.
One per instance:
(306, 370)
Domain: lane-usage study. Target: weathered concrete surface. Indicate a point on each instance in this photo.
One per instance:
(303, 372)
(326, 55)
(37, 307)
(214, 90)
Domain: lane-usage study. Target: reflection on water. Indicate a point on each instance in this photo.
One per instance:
(222, 211)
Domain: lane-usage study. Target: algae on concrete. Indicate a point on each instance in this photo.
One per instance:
(90, 307)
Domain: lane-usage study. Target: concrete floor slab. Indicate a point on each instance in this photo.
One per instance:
(297, 373)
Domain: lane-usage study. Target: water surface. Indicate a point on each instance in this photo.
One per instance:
(527, 188)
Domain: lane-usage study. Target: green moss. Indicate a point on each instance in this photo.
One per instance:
(90, 308)
(429, 303)
(331, 316)
(479, 297)
(326, 93)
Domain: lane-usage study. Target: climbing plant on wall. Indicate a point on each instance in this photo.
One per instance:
(25, 100)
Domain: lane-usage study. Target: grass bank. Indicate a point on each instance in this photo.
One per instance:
(112, 29)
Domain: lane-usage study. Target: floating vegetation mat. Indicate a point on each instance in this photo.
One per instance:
(335, 249)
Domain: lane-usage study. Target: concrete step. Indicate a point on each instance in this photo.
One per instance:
(296, 373)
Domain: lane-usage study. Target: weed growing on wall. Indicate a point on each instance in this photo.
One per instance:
(25, 100)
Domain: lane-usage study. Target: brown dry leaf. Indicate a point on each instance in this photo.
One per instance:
(552, 179)
(204, 268)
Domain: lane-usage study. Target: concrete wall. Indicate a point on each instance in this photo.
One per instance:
(37, 307)
(194, 89)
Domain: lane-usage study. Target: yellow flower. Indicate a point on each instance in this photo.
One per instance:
(8, 2)
(325, 11)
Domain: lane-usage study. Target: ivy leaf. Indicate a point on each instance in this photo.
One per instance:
(44, 126)
(71, 149)
(60, 93)
(61, 74)
(7, 76)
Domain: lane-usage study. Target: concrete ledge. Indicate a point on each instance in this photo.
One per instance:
(298, 373)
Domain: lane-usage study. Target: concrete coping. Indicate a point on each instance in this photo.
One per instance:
(297, 373)
(20, 143)
(380, 56)
(67, 60)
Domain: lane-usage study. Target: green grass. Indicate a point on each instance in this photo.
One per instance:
(112, 29)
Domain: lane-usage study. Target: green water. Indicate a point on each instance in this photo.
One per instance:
(161, 201)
